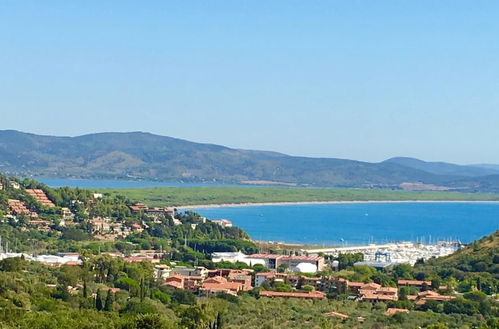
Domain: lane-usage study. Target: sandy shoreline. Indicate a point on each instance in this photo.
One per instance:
(291, 203)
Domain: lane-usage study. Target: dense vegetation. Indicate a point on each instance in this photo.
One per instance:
(178, 196)
(108, 292)
(146, 156)
(36, 296)
(159, 234)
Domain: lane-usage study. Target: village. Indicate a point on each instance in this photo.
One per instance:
(296, 271)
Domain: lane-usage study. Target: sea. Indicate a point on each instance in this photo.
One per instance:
(340, 224)
(363, 223)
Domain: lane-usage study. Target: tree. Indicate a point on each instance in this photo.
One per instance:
(98, 301)
(282, 268)
(109, 301)
(435, 283)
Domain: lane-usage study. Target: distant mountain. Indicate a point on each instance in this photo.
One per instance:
(144, 156)
(444, 168)
(487, 166)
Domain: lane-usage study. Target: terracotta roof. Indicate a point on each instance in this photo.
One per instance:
(235, 286)
(18, 208)
(373, 296)
(40, 197)
(303, 258)
(173, 284)
(265, 256)
(392, 311)
(113, 290)
(336, 315)
(371, 286)
(216, 279)
(307, 295)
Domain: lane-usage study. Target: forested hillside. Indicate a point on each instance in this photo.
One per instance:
(146, 156)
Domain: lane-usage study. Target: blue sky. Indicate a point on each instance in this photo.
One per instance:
(364, 80)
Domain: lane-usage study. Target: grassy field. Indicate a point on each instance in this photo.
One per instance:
(184, 196)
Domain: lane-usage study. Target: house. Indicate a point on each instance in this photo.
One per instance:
(223, 222)
(100, 224)
(303, 295)
(337, 315)
(162, 271)
(392, 311)
(373, 292)
(189, 271)
(136, 207)
(67, 214)
(261, 277)
(138, 259)
(232, 257)
(412, 283)
(220, 284)
(417, 284)
(18, 208)
(40, 196)
(270, 261)
(113, 290)
(298, 263)
(157, 212)
(425, 296)
(42, 225)
(174, 281)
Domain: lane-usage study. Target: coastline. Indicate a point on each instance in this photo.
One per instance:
(292, 203)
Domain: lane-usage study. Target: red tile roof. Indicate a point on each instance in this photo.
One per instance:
(265, 256)
(336, 315)
(306, 295)
(303, 258)
(41, 197)
(392, 311)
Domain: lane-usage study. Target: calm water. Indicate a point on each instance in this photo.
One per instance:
(336, 224)
(90, 183)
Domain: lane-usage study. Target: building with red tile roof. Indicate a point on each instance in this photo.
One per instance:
(19, 208)
(425, 296)
(40, 196)
(392, 311)
(304, 295)
(337, 315)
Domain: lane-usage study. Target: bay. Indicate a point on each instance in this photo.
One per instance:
(362, 223)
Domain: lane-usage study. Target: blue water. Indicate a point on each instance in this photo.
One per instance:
(361, 223)
(90, 183)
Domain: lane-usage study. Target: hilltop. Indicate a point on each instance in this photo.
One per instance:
(144, 156)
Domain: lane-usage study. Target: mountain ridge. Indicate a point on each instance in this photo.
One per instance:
(142, 155)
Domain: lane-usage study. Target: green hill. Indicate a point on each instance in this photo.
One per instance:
(138, 155)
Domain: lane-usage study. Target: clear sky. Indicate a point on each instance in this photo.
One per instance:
(364, 80)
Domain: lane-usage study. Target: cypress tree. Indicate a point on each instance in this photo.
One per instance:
(109, 301)
(98, 301)
(85, 289)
